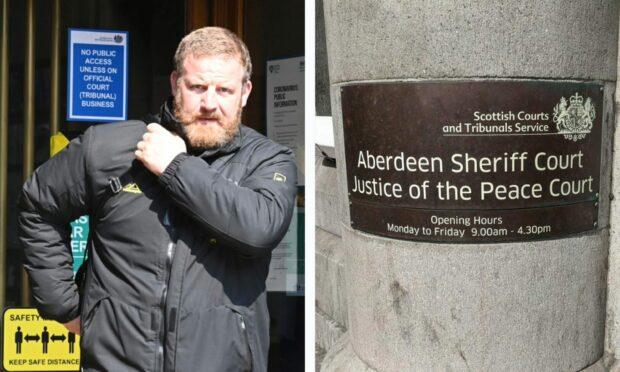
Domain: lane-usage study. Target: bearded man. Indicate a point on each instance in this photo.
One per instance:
(184, 215)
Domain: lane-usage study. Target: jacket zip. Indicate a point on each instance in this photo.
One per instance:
(160, 362)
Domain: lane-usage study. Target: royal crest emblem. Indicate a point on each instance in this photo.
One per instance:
(574, 121)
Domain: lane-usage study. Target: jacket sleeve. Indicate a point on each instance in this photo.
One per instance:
(51, 198)
(251, 217)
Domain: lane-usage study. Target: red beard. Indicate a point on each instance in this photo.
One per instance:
(207, 136)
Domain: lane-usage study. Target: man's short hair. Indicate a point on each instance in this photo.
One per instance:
(213, 42)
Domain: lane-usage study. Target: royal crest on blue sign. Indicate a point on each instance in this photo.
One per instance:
(97, 76)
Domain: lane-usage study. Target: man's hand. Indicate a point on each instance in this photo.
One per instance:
(73, 326)
(158, 147)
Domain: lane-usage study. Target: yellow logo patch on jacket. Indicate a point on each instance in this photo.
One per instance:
(279, 177)
(132, 188)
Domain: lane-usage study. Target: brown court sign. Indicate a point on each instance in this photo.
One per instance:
(473, 161)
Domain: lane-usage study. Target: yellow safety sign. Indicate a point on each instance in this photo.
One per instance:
(57, 142)
(34, 344)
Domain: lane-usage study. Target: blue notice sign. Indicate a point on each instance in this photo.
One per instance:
(97, 75)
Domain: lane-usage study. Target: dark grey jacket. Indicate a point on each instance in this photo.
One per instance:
(176, 279)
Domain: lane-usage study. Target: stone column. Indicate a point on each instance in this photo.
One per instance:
(534, 305)
(612, 343)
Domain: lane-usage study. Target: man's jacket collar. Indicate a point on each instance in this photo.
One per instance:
(170, 122)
